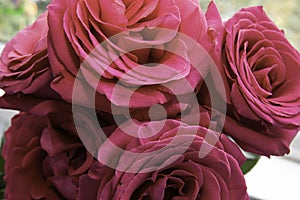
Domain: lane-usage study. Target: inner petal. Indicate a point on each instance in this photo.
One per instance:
(138, 10)
(113, 12)
(262, 77)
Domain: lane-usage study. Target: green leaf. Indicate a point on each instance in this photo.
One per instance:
(251, 161)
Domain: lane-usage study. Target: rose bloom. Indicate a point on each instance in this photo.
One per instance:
(81, 43)
(24, 65)
(166, 165)
(23, 157)
(44, 158)
(262, 70)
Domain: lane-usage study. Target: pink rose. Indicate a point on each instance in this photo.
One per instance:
(176, 172)
(24, 65)
(262, 70)
(77, 28)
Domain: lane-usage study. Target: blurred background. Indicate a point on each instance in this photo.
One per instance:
(16, 14)
(274, 178)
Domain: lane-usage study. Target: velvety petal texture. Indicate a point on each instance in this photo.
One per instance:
(24, 65)
(184, 160)
(23, 157)
(44, 157)
(128, 45)
(262, 69)
(122, 99)
(163, 168)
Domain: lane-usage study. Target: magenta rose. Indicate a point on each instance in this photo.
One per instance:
(263, 70)
(81, 43)
(166, 165)
(24, 65)
(44, 158)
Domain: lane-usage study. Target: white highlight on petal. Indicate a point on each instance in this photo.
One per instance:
(2, 92)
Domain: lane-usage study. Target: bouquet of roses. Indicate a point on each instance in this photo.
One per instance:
(145, 99)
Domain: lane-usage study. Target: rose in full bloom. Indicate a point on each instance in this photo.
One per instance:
(44, 157)
(166, 165)
(263, 70)
(24, 157)
(24, 65)
(90, 39)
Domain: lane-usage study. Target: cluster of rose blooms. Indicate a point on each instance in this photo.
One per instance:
(141, 89)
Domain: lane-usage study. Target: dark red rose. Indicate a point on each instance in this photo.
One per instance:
(44, 157)
(24, 65)
(166, 165)
(67, 157)
(77, 28)
(24, 157)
